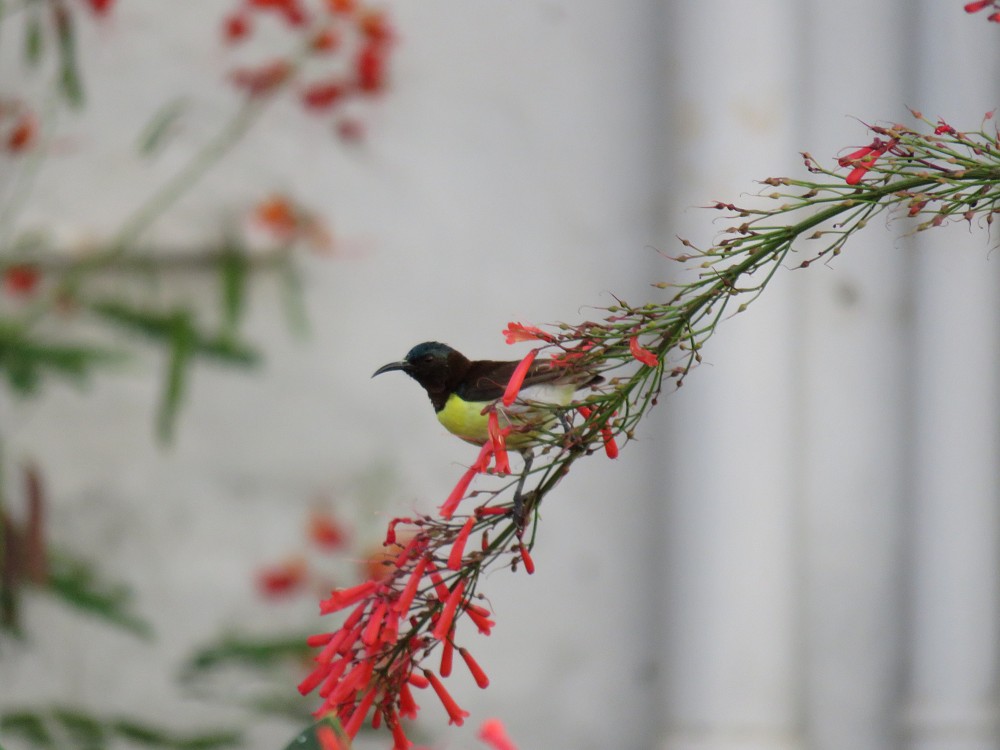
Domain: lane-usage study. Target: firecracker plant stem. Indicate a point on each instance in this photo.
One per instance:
(396, 623)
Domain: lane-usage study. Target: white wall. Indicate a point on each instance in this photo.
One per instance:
(799, 552)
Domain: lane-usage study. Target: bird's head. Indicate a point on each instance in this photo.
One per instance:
(434, 365)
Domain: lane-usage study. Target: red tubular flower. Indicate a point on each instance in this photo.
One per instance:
(641, 353)
(456, 715)
(493, 733)
(326, 40)
(262, 80)
(474, 669)
(480, 617)
(21, 280)
(369, 636)
(327, 738)
(529, 564)
(447, 657)
(418, 681)
(370, 67)
(390, 629)
(483, 460)
(440, 588)
(341, 6)
(413, 547)
(498, 439)
(353, 681)
(607, 435)
(854, 156)
(320, 639)
(390, 533)
(402, 605)
(343, 639)
(447, 508)
(610, 446)
(314, 678)
(399, 739)
(407, 706)
(279, 216)
(447, 617)
(977, 6)
(282, 579)
(341, 598)
(517, 379)
(235, 27)
(994, 18)
(458, 548)
(864, 159)
(517, 332)
(360, 712)
(322, 96)
(22, 136)
(325, 531)
(336, 672)
(101, 7)
(374, 25)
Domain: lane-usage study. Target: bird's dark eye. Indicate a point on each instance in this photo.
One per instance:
(427, 358)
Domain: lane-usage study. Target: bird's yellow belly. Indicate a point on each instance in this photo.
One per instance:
(466, 419)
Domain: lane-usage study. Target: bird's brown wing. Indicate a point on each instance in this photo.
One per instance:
(486, 380)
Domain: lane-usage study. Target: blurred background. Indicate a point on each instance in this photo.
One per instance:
(799, 551)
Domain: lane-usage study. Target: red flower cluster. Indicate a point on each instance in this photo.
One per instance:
(360, 36)
(978, 5)
(368, 666)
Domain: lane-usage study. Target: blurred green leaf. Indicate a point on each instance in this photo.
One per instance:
(307, 740)
(154, 135)
(90, 732)
(182, 344)
(76, 584)
(234, 271)
(24, 360)
(69, 75)
(28, 726)
(86, 732)
(249, 652)
(140, 734)
(176, 329)
(162, 326)
(33, 38)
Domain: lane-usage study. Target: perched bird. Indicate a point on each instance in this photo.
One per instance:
(460, 389)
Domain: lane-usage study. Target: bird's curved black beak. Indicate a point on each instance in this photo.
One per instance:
(401, 365)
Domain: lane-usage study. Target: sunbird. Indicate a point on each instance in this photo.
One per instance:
(461, 389)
